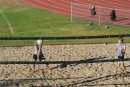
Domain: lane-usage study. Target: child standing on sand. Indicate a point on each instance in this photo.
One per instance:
(121, 48)
(38, 54)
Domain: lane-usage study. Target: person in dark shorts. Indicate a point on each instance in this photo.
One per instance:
(113, 15)
(121, 48)
(38, 54)
(93, 10)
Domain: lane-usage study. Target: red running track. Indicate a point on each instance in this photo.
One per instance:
(63, 6)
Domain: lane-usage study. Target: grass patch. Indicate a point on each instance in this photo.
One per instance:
(28, 21)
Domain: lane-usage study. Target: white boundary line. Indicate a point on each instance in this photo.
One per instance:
(7, 21)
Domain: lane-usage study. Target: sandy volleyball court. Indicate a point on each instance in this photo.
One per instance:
(74, 75)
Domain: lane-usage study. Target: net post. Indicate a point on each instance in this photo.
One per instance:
(71, 15)
(99, 15)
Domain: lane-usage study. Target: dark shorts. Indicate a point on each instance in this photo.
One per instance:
(120, 57)
(41, 57)
(93, 12)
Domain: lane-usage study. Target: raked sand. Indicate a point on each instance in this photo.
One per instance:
(80, 75)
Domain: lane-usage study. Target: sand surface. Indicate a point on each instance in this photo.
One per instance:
(74, 75)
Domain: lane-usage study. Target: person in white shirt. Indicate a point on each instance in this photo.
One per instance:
(121, 48)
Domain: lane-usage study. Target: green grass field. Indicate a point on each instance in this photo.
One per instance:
(31, 21)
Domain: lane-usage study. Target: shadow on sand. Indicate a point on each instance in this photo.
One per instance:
(84, 81)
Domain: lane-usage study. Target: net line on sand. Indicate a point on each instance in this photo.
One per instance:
(94, 60)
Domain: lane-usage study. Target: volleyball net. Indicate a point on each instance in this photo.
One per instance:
(68, 54)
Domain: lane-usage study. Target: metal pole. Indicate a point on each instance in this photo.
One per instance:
(99, 15)
(71, 11)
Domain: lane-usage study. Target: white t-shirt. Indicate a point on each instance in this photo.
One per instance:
(37, 47)
(120, 49)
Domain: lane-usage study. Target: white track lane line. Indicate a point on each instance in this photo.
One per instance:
(35, 5)
(81, 2)
(107, 5)
(59, 3)
(7, 21)
(51, 5)
(115, 4)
